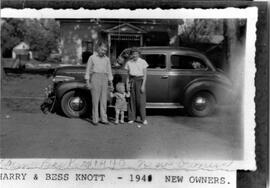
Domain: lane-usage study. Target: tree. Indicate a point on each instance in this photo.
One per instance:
(12, 32)
(42, 35)
(199, 31)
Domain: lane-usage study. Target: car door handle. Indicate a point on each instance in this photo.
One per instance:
(165, 77)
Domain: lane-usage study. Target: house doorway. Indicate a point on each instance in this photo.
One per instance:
(121, 42)
(123, 36)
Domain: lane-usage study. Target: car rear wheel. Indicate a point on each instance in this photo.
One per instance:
(75, 104)
(201, 104)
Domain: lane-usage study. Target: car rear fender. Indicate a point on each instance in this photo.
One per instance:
(64, 87)
(222, 92)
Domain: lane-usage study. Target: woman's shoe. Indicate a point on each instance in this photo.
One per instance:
(130, 122)
(122, 121)
(116, 121)
(145, 122)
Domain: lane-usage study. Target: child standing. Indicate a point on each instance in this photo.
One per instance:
(121, 103)
(98, 74)
(137, 74)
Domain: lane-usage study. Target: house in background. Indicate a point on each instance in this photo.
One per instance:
(22, 50)
(218, 38)
(21, 54)
(77, 35)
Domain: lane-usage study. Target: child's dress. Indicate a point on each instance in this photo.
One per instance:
(120, 103)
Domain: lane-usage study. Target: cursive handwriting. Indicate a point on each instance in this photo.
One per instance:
(87, 164)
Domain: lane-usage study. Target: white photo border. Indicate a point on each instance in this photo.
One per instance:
(248, 162)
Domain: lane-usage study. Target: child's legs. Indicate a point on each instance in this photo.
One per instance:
(122, 116)
(117, 112)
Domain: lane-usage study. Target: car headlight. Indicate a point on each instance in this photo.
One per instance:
(62, 78)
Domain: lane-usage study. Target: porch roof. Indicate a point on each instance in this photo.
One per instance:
(125, 28)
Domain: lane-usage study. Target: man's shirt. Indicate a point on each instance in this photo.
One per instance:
(97, 64)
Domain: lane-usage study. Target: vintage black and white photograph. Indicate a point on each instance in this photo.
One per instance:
(127, 88)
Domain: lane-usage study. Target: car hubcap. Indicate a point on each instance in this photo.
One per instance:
(76, 103)
(200, 103)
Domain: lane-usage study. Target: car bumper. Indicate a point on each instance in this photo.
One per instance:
(49, 102)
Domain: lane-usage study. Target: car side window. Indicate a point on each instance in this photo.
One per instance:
(155, 61)
(187, 62)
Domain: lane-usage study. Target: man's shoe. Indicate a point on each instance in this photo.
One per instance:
(105, 122)
(130, 122)
(94, 123)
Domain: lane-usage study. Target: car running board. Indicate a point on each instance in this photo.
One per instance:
(160, 105)
(164, 105)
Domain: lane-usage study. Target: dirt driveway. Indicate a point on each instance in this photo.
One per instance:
(28, 133)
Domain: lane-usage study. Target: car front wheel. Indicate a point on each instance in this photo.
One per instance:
(75, 104)
(201, 104)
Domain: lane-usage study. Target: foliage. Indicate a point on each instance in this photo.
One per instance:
(12, 32)
(42, 35)
(199, 30)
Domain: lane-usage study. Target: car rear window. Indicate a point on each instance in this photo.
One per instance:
(187, 62)
(155, 61)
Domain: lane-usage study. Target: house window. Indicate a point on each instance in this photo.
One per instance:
(155, 61)
(187, 62)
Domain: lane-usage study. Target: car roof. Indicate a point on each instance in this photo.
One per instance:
(182, 49)
(169, 48)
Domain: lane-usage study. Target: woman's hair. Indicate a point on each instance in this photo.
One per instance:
(135, 50)
(127, 54)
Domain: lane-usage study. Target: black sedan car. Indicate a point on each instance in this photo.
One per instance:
(176, 78)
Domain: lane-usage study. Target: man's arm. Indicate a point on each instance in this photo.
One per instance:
(110, 76)
(112, 94)
(88, 71)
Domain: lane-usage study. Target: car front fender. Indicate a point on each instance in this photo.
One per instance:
(64, 87)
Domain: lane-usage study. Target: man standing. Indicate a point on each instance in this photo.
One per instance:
(98, 74)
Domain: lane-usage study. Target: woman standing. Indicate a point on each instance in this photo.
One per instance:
(137, 75)
(98, 74)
